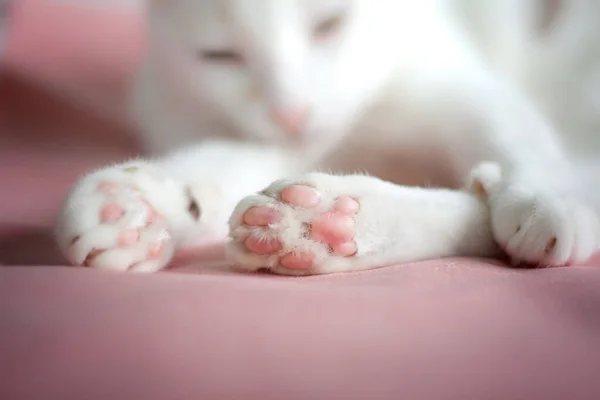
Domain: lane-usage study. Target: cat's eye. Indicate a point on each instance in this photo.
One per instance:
(221, 56)
(329, 26)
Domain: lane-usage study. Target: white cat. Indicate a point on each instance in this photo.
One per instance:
(236, 94)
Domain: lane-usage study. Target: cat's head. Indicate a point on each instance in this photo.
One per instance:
(279, 69)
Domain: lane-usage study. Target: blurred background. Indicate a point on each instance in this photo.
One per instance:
(65, 66)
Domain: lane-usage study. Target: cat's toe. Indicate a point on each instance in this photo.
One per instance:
(261, 216)
(297, 261)
(333, 228)
(301, 196)
(260, 246)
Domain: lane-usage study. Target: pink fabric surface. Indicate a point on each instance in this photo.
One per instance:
(445, 329)
(456, 329)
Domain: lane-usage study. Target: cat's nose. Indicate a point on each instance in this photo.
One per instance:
(291, 120)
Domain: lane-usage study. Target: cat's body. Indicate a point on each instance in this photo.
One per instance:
(416, 93)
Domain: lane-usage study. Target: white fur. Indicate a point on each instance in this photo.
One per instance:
(395, 224)
(415, 92)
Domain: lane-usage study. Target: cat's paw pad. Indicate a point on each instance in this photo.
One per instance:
(109, 222)
(537, 227)
(291, 228)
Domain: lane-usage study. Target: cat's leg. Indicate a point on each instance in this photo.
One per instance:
(133, 216)
(320, 224)
(539, 213)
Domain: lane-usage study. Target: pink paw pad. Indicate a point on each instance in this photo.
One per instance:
(345, 249)
(129, 237)
(335, 228)
(155, 250)
(261, 216)
(346, 205)
(108, 187)
(297, 261)
(111, 212)
(259, 246)
(301, 196)
(338, 227)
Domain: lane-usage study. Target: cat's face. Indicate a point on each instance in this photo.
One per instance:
(278, 69)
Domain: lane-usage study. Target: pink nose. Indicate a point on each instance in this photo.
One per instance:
(291, 120)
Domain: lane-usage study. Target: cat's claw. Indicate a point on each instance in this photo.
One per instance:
(291, 228)
(543, 229)
(111, 221)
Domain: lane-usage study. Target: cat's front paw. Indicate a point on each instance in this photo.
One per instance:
(112, 220)
(295, 227)
(535, 226)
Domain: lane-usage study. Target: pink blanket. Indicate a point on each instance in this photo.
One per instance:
(444, 329)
